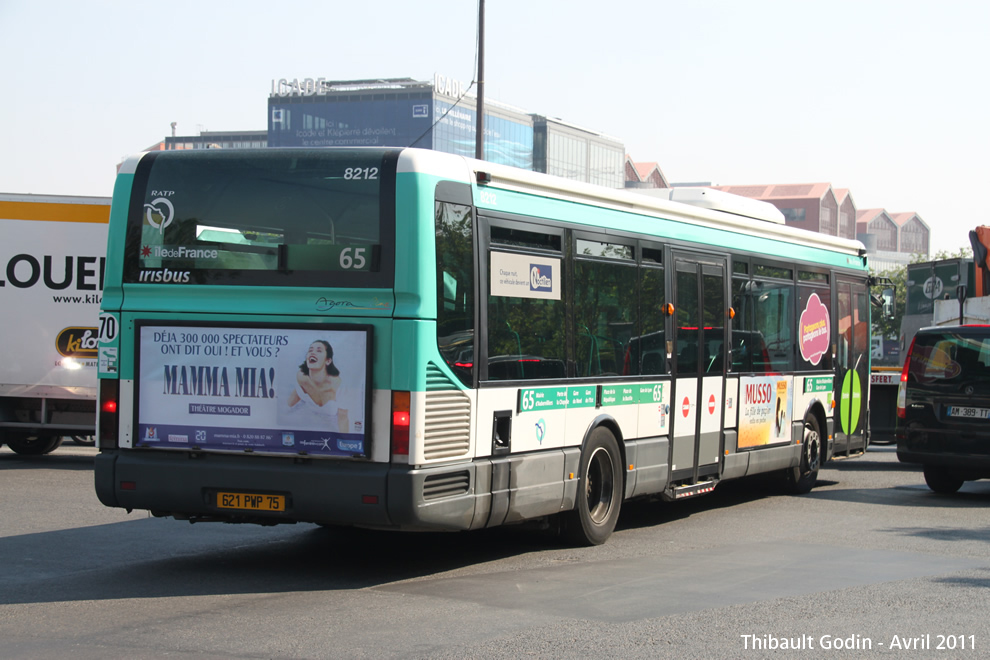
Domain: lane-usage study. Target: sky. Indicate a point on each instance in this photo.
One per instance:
(886, 98)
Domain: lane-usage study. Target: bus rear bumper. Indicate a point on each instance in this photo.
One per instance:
(379, 495)
(185, 486)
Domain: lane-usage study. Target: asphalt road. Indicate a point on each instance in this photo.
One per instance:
(870, 564)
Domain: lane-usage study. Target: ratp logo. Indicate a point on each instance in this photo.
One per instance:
(541, 430)
(540, 277)
(159, 213)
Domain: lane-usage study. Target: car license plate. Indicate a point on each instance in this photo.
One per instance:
(251, 501)
(971, 413)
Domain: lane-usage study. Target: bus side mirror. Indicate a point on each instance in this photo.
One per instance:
(888, 296)
(885, 301)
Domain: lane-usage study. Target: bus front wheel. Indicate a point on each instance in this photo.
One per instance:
(801, 479)
(600, 491)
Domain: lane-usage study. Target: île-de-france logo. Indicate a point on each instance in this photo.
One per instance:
(159, 213)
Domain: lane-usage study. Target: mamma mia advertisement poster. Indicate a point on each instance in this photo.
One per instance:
(259, 389)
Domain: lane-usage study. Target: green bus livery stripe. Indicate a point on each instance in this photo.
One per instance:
(633, 393)
(818, 384)
(557, 398)
(584, 396)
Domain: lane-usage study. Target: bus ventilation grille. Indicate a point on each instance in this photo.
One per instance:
(439, 486)
(448, 418)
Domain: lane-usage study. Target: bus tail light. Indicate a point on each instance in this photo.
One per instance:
(400, 424)
(107, 416)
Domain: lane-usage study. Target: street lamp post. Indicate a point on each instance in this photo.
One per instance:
(479, 138)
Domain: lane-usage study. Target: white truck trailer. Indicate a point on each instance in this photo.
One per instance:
(52, 252)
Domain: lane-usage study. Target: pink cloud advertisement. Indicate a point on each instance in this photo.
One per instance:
(814, 330)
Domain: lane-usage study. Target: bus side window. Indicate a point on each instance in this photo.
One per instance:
(604, 306)
(714, 317)
(774, 319)
(455, 287)
(687, 351)
(525, 339)
(765, 321)
(714, 357)
(448, 296)
(647, 353)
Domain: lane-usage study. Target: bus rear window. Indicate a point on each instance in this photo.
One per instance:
(288, 217)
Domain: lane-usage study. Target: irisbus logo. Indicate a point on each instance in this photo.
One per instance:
(164, 276)
(540, 277)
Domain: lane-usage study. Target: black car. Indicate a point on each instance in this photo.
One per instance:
(943, 405)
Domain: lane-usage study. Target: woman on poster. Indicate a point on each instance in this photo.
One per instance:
(318, 384)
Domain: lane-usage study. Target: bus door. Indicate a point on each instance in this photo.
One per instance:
(700, 341)
(852, 365)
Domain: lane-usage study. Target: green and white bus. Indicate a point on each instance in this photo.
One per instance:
(405, 339)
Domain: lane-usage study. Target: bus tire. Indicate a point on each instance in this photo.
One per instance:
(27, 444)
(600, 491)
(942, 481)
(801, 479)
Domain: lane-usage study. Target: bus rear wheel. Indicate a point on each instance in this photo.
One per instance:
(801, 479)
(27, 444)
(600, 491)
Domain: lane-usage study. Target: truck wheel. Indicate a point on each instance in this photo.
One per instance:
(600, 491)
(941, 480)
(801, 479)
(84, 440)
(33, 445)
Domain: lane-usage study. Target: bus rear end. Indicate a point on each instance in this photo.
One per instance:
(254, 369)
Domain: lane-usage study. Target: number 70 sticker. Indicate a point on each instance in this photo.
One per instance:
(109, 328)
(109, 343)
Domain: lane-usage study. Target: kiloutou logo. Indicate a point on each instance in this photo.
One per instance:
(78, 343)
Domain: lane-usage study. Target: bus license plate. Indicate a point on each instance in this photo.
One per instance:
(251, 501)
(971, 413)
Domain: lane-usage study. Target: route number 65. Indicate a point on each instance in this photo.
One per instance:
(353, 258)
